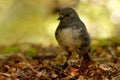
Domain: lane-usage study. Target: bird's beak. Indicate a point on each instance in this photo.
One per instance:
(60, 17)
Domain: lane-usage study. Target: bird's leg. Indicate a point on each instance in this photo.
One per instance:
(86, 57)
(85, 62)
(67, 58)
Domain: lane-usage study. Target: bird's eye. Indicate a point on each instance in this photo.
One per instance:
(67, 15)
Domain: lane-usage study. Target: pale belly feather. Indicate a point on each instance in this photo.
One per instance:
(70, 39)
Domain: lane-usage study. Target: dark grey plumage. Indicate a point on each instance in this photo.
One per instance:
(71, 33)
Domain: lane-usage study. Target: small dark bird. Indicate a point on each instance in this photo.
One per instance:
(71, 34)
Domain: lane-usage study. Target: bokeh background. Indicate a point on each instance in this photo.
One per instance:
(35, 21)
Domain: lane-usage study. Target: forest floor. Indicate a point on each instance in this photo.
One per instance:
(37, 62)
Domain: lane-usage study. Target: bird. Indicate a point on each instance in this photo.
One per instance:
(72, 35)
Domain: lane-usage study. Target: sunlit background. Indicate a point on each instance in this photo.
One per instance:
(35, 21)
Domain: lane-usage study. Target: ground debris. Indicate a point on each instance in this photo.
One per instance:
(47, 63)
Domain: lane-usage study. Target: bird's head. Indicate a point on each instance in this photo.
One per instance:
(67, 14)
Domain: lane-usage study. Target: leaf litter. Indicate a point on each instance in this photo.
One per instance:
(37, 62)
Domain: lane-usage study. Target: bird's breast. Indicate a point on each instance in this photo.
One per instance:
(69, 38)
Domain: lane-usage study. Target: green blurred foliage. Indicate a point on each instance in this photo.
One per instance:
(35, 21)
